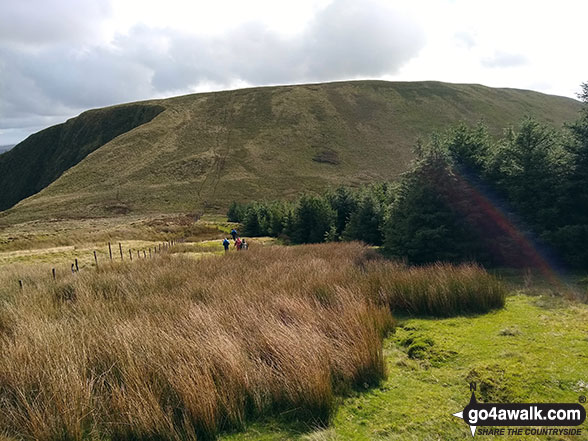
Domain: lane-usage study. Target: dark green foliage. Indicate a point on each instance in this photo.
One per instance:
(366, 221)
(583, 95)
(252, 221)
(344, 201)
(496, 202)
(265, 218)
(467, 197)
(276, 215)
(313, 220)
(527, 168)
(309, 220)
(570, 236)
(469, 148)
(575, 202)
(425, 224)
(236, 212)
(571, 243)
(43, 157)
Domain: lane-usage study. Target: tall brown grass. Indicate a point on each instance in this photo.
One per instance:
(173, 348)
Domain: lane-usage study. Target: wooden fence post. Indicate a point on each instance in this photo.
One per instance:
(120, 248)
(20, 283)
(138, 255)
(144, 255)
(109, 251)
(73, 268)
(150, 252)
(53, 272)
(131, 254)
(95, 258)
(77, 266)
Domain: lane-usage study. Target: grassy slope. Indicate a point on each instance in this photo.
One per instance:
(205, 150)
(44, 156)
(533, 350)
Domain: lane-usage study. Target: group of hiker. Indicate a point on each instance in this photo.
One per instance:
(240, 244)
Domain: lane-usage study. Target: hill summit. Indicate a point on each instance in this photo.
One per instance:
(201, 151)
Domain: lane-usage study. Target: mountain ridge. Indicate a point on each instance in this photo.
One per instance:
(200, 151)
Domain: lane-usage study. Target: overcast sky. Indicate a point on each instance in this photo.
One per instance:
(60, 57)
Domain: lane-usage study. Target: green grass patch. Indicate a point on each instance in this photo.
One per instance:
(543, 361)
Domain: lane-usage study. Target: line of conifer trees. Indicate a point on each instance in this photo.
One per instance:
(519, 200)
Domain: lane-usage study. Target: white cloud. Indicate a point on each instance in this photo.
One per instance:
(503, 60)
(523, 44)
(344, 39)
(60, 57)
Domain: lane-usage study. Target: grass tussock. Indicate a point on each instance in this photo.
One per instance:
(439, 290)
(173, 348)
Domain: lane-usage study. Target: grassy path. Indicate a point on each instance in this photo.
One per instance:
(533, 350)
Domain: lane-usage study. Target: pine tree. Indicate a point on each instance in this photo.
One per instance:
(313, 218)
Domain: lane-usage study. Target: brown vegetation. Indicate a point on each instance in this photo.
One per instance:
(173, 348)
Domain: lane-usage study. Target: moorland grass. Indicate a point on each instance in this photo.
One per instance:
(542, 361)
(173, 348)
(437, 290)
(44, 234)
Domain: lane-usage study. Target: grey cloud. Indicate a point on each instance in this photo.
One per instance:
(39, 22)
(504, 59)
(345, 40)
(359, 38)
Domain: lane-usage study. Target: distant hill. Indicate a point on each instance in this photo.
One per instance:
(201, 151)
(6, 147)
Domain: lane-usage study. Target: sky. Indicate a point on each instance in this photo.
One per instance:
(61, 57)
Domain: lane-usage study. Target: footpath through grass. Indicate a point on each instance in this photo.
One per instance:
(533, 350)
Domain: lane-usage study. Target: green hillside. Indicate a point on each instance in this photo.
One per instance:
(43, 157)
(204, 150)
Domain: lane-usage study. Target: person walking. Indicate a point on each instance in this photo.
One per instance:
(234, 234)
(238, 244)
(226, 244)
(244, 245)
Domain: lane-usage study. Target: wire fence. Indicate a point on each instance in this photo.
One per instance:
(141, 253)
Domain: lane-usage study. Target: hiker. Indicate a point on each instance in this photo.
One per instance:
(234, 234)
(238, 244)
(226, 244)
(244, 245)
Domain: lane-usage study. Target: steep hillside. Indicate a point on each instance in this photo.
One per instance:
(6, 147)
(205, 150)
(43, 157)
